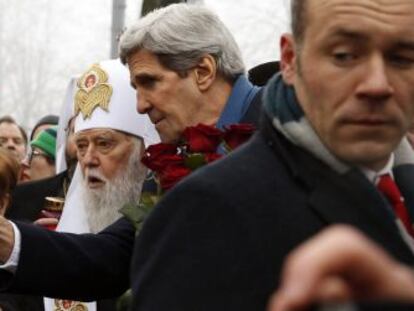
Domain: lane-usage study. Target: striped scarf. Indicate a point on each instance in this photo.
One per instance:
(282, 106)
(287, 116)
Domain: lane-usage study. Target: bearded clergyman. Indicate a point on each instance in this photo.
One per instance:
(110, 138)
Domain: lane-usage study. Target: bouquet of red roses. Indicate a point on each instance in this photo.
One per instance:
(170, 163)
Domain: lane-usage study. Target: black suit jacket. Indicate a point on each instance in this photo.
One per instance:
(92, 266)
(28, 198)
(82, 267)
(218, 240)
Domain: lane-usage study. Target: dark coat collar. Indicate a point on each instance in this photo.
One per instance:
(348, 199)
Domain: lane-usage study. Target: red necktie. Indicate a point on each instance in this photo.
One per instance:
(389, 188)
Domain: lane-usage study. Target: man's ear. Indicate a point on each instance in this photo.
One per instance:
(288, 62)
(205, 72)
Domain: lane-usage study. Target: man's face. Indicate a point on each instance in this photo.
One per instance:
(41, 166)
(12, 139)
(171, 102)
(102, 153)
(124, 186)
(354, 75)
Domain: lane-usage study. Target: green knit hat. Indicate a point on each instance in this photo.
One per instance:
(46, 141)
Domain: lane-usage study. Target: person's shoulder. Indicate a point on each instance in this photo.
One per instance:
(123, 228)
(261, 74)
(250, 178)
(35, 193)
(36, 185)
(244, 160)
(234, 172)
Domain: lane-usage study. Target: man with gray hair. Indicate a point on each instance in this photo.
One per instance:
(188, 69)
(331, 149)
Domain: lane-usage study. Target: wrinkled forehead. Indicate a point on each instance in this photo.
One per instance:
(8, 128)
(394, 19)
(398, 12)
(367, 6)
(92, 134)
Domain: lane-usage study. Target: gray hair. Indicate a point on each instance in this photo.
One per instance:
(180, 35)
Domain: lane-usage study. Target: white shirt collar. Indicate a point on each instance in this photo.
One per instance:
(373, 176)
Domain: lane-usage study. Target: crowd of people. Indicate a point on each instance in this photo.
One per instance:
(317, 207)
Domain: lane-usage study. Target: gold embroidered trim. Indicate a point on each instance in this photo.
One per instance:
(69, 305)
(93, 91)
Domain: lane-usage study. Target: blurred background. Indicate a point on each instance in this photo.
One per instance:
(45, 42)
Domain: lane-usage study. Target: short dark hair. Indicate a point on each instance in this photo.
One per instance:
(48, 119)
(9, 119)
(298, 15)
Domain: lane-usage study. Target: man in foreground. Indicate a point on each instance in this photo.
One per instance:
(331, 149)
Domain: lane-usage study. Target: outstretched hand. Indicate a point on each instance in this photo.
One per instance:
(338, 265)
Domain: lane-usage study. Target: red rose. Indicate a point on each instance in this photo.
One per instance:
(161, 148)
(202, 138)
(167, 161)
(159, 164)
(157, 156)
(172, 175)
(237, 134)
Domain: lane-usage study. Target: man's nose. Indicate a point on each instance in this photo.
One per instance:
(375, 83)
(91, 157)
(10, 144)
(143, 105)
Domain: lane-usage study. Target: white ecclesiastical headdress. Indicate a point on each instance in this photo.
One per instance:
(104, 98)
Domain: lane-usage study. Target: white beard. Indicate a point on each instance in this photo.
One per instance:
(102, 205)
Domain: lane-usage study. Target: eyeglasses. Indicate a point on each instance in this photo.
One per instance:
(37, 153)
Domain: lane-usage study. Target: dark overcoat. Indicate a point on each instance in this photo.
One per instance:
(82, 267)
(219, 239)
